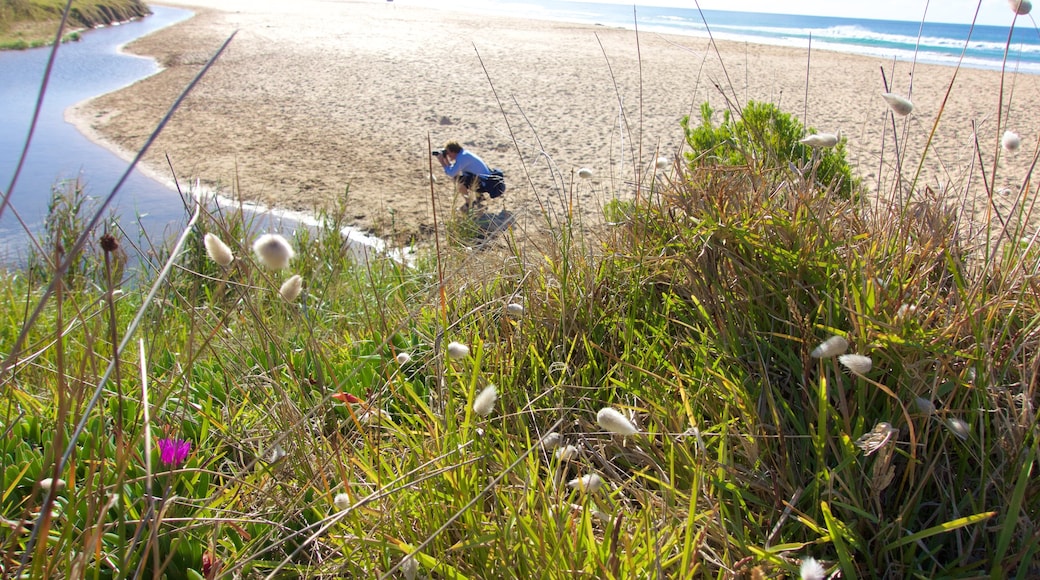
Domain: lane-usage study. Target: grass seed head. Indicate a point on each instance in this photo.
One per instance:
(812, 570)
(484, 404)
(567, 453)
(341, 501)
(1021, 7)
(409, 567)
(856, 363)
(821, 140)
(291, 288)
(217, 250)
(900, 105)
(612, 420)
(1010, 141)
(925, 406)
(457, 350)
(833, 346)
(589, 483)
(551, 441)
(958, 428)
(274, 251)
(49, 482)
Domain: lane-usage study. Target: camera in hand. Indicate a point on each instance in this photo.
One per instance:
(438, 152)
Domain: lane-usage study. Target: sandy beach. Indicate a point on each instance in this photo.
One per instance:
(324, 105)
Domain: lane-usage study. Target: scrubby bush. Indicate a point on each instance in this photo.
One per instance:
(767, 140)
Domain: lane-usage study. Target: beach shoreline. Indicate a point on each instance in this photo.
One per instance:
(334, 107)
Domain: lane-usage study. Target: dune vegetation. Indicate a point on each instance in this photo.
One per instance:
(33, 23)
(751, 369)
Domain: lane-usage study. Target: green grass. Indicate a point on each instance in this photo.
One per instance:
(695, 314)
(34, 23)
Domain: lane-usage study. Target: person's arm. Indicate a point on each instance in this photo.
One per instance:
(449, 168)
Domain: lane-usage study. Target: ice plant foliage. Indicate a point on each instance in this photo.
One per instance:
(1010, 141)
(1021, 7)
(217, 250)
(833, 346)
(856, 363)
(274, 251)
(457, 350)
(900, 105)
(613, 421)
(173, 451)
(291, 288)
(589, 483)
(484, 404)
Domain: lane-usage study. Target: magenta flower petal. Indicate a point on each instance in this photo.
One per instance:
(173, 451)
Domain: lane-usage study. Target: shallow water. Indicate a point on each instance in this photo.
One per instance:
(59, 152)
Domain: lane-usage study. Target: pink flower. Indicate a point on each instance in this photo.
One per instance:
(173, 451)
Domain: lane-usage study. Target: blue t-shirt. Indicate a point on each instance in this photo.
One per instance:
(466, 162)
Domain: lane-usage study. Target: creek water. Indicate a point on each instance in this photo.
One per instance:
(58, 152)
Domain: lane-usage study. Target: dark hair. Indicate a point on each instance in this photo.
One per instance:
(453, 146)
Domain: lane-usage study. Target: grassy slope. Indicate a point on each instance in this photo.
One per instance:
(697, 316)
(31, 23)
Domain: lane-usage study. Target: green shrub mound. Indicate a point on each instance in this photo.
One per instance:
(766, 140)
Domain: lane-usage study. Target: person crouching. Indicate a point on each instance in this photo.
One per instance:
(465, 168)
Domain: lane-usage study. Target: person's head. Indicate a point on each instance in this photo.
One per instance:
(452, 148)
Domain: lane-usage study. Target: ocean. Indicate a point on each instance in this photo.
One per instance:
(932, 42)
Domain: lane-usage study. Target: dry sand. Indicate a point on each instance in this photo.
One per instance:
(317, 98)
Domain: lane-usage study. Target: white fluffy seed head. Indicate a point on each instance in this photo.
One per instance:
(515, 309)
(899, 104)
(567, 453)
(403, 358)
(274, 251)
(833, 346)
(291, 288)
(812, 570)
(484, 404)
(589, 483)
(1021, 7)
(341, 501)
(409, 567)
(457, 350)
(49, 482)
(551, 441)
(958, 428)
(585, 173)
(217, 250)
(1010, 141)
(856, 363)
(821, 140)
(925, 406)
(612, 420)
